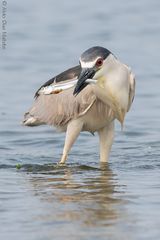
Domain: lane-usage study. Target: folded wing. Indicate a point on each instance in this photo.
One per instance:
(59, 109)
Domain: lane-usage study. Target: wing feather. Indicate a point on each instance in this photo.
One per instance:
(69, 74)
(59, 109)
(132, 84)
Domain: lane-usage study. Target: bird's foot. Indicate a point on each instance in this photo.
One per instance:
(61, 164)
(63, 160)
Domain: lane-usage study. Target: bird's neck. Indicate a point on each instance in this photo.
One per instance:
(112, 87)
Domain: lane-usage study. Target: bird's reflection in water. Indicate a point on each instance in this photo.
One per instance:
(79, 193)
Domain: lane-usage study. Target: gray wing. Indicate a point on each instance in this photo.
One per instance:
(59, 109)
(69, 74)
(132, 84)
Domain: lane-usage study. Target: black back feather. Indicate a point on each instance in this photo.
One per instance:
(68, 74)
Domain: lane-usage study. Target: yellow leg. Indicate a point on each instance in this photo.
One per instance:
(73, 130)
(106, 136)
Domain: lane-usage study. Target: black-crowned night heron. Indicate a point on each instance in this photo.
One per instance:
(87, 97)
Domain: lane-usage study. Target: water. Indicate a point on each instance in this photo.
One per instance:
(82, 200)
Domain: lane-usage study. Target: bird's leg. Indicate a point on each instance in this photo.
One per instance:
(73, 130)
(106, 136)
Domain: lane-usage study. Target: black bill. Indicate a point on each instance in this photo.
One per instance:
(86, 73)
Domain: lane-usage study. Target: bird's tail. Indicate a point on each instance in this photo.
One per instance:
(30, 120)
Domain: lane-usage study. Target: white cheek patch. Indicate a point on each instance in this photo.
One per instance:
(87, 64)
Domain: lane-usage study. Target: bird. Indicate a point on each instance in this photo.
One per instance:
(87, 97)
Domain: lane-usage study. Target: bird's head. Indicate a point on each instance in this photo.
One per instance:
(99, 64)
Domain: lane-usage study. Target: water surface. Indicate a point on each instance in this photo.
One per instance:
(82, 200)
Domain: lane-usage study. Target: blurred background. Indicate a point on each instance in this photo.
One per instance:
(82, 200)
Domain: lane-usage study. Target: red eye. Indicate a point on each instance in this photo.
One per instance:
(99, 62)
